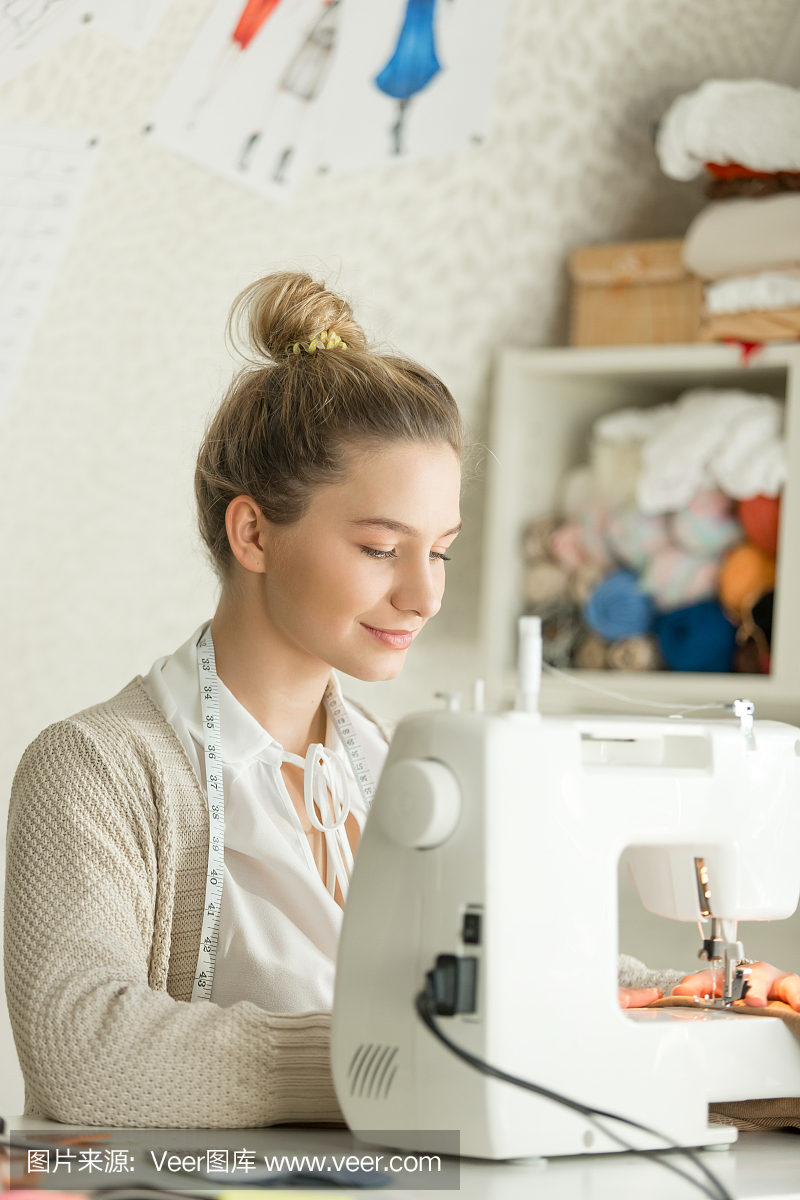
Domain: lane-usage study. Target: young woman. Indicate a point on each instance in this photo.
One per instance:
(328, 495)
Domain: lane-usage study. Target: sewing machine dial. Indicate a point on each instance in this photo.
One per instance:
(419, 803)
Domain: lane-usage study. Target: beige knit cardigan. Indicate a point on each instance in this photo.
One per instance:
(107, 857)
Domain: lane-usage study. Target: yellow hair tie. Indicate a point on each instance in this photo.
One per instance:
(327, 340)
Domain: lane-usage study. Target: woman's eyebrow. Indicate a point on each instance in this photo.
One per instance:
(399, 527)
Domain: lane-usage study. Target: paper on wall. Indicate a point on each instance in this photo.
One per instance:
(273, 90)
(44, 175)
(132, 22)
(248, 99)
(31, 28)
(413, 78)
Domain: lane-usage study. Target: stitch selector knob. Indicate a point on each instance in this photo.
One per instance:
(419, 803)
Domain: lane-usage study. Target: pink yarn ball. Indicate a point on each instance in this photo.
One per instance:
(707, 525)
(593, 525)
(568, 547)
(634, 538)
(676, 579)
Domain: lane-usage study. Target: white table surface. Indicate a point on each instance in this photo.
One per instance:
(758, 1166)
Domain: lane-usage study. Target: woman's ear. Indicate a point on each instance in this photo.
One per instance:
(248, 533)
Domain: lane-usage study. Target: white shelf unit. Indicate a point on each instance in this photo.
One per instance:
(544, 403)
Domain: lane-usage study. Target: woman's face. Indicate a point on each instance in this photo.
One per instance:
(356, 578)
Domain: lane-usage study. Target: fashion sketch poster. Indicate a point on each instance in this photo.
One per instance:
(245, 101)
(273, 91)
(415, 77)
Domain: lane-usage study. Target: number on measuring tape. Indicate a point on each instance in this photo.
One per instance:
(349, 739)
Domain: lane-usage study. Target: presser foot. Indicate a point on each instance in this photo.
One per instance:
(738, 989)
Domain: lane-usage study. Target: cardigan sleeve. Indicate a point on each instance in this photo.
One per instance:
(97, 1044)
(633, 973)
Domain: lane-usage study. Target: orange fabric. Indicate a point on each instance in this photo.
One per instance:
(746, 575)
(737, 171)
(760, 516)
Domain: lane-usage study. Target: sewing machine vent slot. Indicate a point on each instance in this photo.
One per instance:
(372, 1070)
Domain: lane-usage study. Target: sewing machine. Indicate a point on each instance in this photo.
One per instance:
(495, 840)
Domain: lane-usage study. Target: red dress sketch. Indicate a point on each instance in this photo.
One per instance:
(252, 19)
(301, 83)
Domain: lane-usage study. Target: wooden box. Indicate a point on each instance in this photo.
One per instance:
(633, 293)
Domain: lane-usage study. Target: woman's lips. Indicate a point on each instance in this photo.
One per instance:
(398, 639)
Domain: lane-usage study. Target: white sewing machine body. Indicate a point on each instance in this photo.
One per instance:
(526, 833)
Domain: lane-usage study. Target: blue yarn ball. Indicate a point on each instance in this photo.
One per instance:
(618, 608)
(697, 638)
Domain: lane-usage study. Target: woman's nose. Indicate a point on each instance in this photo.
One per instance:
(418, 591)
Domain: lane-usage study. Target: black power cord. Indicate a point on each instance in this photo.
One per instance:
(426, 1005)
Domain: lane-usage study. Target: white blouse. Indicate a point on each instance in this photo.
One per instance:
(279, 924)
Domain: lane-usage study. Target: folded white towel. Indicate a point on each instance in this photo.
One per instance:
(632, 424)
(713, 438)
(754, 293)
(741, 237)
(708, 438)
(747, 121)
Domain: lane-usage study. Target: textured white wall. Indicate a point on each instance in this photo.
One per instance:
(447, 259)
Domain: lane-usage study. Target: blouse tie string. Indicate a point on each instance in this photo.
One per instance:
(326, 789)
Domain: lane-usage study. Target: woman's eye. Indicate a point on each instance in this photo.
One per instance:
(435, 555)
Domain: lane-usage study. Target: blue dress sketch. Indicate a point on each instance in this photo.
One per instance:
(413, 64)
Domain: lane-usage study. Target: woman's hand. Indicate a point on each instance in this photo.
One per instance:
(766, 983)
(638, 997)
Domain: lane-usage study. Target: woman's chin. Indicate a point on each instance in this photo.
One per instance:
(384, 672)
(378, 668)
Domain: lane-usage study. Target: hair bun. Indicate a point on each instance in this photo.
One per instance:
(275, 312)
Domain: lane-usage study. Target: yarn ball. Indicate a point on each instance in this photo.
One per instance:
(544, 582)
(746, 575)
(633, 537)
(584, 581)
(568, 547)
(593, 523)
(536, 538)
(675, 579)
(634, 654)
(697, 638)
(707, 525)
(618, 608)
(761, 516)
(591, 654)
(560, 629)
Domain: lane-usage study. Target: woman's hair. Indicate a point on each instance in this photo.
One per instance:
(289, 416)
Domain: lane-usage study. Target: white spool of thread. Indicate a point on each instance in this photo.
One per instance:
(529, 665)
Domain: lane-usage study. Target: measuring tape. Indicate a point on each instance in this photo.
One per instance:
(215, 793)
(349, 739)
(212, 753)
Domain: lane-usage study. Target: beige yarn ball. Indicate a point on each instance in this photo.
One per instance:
(584, 581)
(536, 538)
(633, 654)
(544, 583)
(591, 654)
